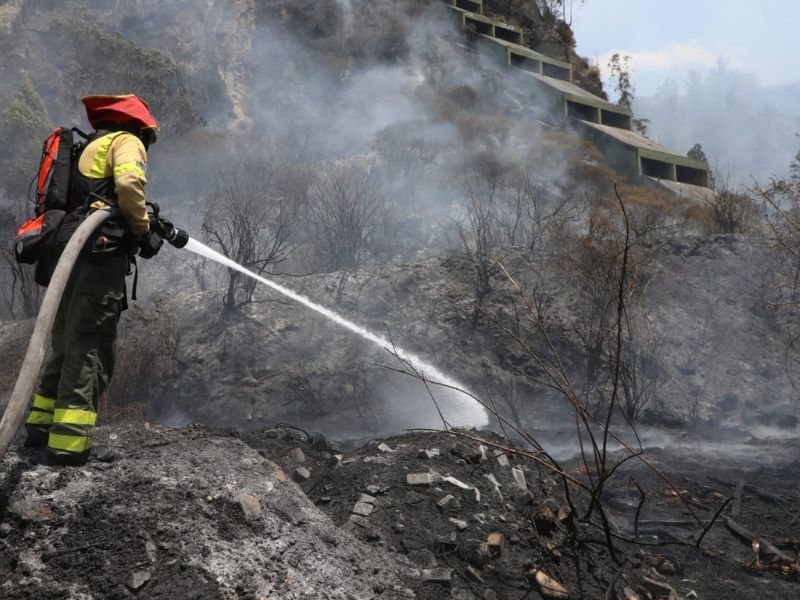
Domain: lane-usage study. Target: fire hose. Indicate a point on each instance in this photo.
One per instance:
(21, 396)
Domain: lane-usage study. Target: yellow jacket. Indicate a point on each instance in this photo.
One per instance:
(120, 155)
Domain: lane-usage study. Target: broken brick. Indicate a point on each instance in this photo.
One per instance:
(419, 479)
(363, 509)
(297, 455)
(462, 525)
(251, 507)
(384, 448)
(301, 474)
(549, 587)
(441, 576)
(495, 542)
(428, 454)
(519, 478)
(449, 502)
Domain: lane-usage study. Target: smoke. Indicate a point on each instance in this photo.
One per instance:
(743, 127)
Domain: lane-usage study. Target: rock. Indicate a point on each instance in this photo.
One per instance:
(375, 489)
(526, 498)
(419, 479)
(502, 459)
(373, 535)
(564, 514)
(447, 543)
(301, 474)
(467, 453)
(428, 454)
(325, 500)
(692, 595)
(545, 519)
(552, 551)
(475, 553)
(519, 478)
(492, 479)
(440, 576)
(549, 587)
(363, 508)
(459, 484)
(659, 589)
(495, 542)
(398, 527)
(360, 521)
(138, 579)
(251, 507)
(662, 564)
(449, 502)
(321, 444)
(384, 448)
(473, 574)
(297, 455)
(462, 525)
(630, 594)
(366, 498)
(33, 509)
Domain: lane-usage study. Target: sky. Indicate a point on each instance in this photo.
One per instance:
(667, 38)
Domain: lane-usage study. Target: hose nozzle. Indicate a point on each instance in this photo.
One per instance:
(178, 238)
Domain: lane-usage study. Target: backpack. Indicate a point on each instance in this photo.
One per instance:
(34, 240)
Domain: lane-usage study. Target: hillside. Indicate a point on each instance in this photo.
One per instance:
(451, 177)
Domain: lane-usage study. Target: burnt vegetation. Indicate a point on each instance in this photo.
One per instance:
(441, 213)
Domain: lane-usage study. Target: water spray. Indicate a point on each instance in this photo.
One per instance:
(458, 408)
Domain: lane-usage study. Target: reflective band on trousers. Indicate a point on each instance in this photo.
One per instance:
(74, 416)
(39, 417)
(69, 443)
(44, 403)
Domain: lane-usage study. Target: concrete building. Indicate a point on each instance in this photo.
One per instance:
(606, 125)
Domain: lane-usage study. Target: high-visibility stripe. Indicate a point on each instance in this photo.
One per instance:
(98, 170)
(74, 416)
(69, 443)
(39, 417)
(129, 167)
(44, 403)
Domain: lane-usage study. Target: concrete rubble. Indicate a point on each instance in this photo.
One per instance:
(424, 524)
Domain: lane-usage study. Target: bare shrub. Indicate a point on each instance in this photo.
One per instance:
(729, 210)
(343, 204)
(781, 201)
(530, 212)
(250, 224)
(596, 262)
(479, 233)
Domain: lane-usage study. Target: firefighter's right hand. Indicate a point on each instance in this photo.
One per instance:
(150, 244)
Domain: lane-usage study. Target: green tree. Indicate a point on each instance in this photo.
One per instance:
(620, 68)
(696, 152)
(24, 125)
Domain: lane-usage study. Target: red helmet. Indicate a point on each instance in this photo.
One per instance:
(128, 111)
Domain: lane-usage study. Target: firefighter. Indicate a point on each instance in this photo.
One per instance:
(110, 170)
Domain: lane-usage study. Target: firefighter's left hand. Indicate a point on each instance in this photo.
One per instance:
(150, 244)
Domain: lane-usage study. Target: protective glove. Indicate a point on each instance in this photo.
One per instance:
(150, 244)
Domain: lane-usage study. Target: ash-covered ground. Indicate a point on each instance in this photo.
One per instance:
(277, 513)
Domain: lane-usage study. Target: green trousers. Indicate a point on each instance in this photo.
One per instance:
(82, 359)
